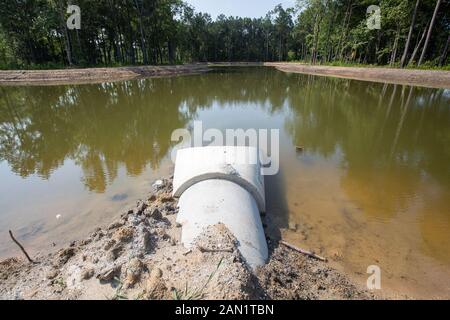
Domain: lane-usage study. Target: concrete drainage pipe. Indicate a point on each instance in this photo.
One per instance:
(222, 185)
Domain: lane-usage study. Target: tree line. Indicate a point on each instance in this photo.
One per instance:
(33, 33)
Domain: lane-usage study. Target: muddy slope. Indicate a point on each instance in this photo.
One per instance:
(140, 256)
(94, 75)
(426, 78)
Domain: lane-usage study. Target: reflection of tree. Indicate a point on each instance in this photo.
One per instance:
(98, 126)
(30, 140)
(103, 125)
(388, 136)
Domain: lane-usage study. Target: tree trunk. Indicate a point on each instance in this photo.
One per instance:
(66, 34)
(427, 40)
(331, 23)
(141, 31)
(416, 49)
(348, 15)
(444, 53)
(394, 49)
(313, 49)
(411, 27)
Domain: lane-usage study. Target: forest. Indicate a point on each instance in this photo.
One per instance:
(34, 34)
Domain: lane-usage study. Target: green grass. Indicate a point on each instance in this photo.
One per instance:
(194, 294)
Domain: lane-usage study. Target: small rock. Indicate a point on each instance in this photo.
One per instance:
(166, 198)
(169, 209)
(154, 286)
(109, 244)
(158, 184)
(293, 226)
(145, 240)
(135, 220)
(123, 234)
(64, 256)
(156, 214)
(162, 234)
(52, 274)
(156, 273)
(115, 252)
(98, 236)
(86, 274)
(94, 234)
(85, 242)
(115, 225)
(110, 273)
(133, 272)
(141, 206)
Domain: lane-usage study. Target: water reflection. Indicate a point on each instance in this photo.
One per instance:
(393, 146)
(379, 130)
(97, 126)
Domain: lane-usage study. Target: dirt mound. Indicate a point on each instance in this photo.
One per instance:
(140, 256)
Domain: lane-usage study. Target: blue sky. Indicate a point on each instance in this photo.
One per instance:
(242, 8)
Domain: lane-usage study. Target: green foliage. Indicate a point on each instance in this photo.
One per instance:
(33, 33)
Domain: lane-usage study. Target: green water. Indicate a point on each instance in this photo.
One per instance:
(372, 185)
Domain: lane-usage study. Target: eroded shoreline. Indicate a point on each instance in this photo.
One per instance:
(139, 256)
(94, 75)
(426, 78)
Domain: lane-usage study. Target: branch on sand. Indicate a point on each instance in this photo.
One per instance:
(202, 249)
(303, 251)
(21, 247)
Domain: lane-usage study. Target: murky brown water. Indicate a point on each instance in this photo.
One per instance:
(372, 186)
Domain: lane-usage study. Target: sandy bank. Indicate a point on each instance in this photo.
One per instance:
(140, 256)
(94, 75)
(425, 78)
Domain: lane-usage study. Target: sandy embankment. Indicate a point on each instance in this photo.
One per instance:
(425, 78)
(140, 256)
(94, 75)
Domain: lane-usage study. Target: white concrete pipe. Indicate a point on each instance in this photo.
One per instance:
(222, 185)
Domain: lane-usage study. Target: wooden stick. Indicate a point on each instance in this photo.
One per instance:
(187, 252)
(214, 250)
(20, 246)
(305, 252)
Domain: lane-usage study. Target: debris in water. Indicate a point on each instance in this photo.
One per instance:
(119, 197)
(158, 184)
